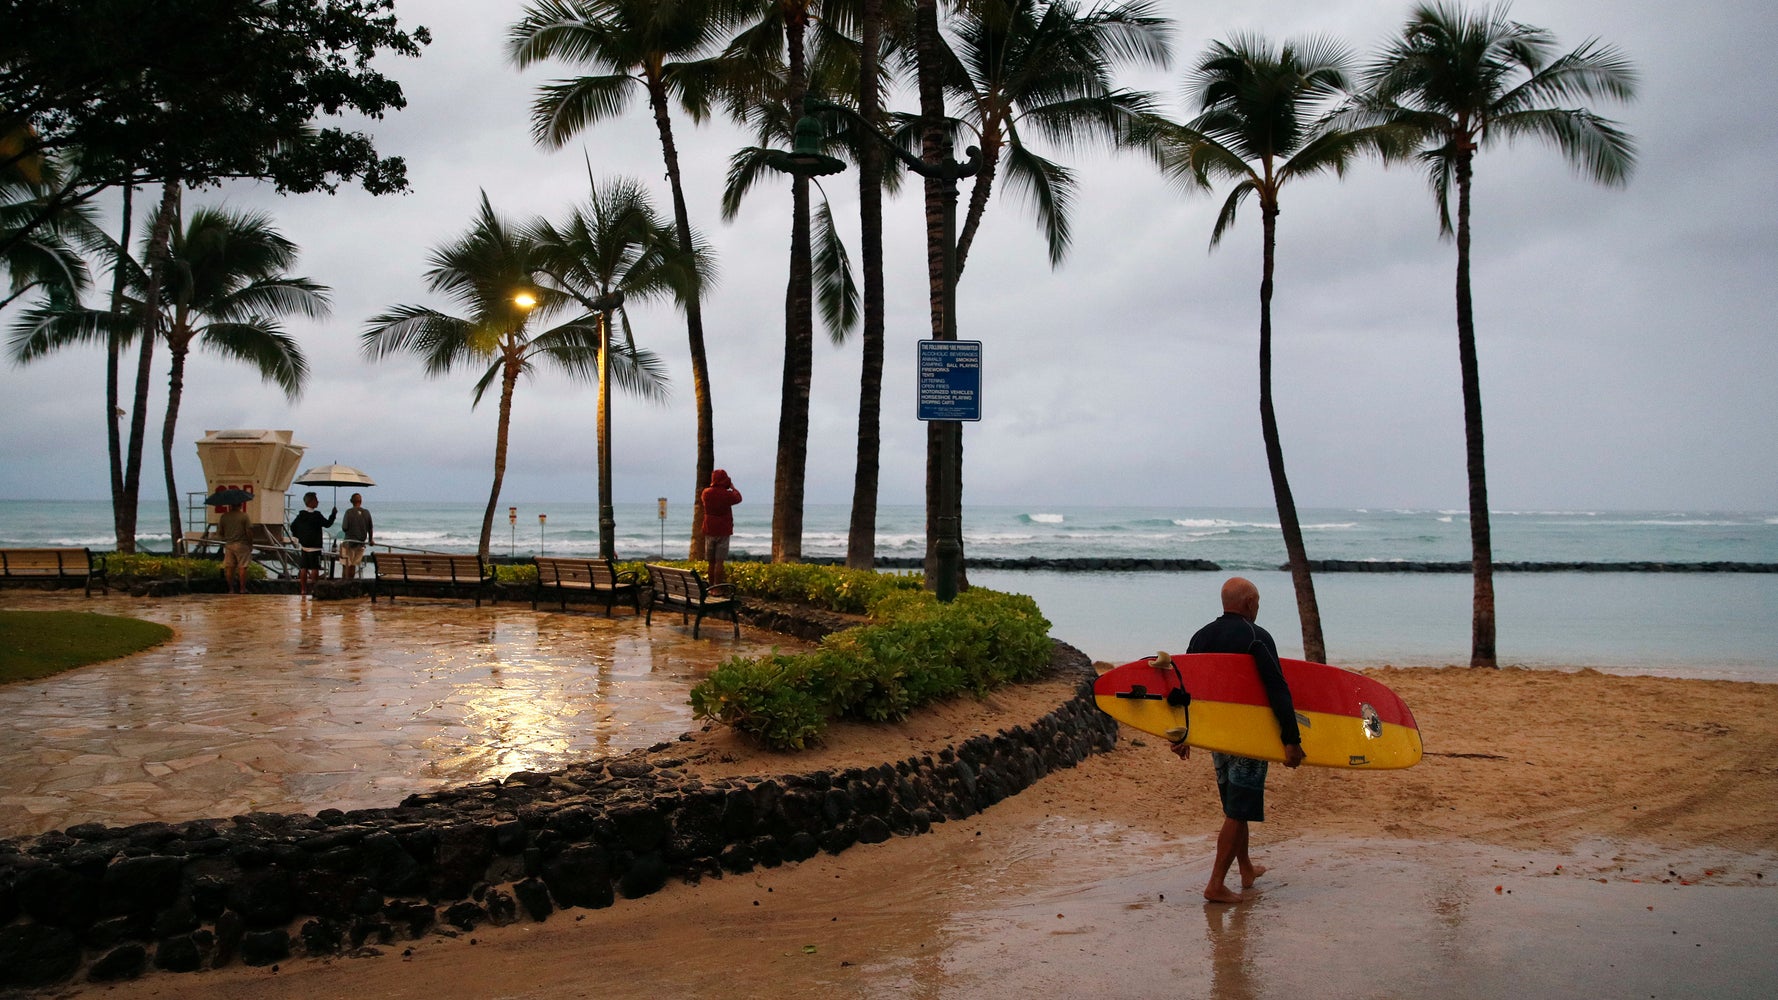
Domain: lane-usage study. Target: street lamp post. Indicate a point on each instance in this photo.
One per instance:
(947, 171)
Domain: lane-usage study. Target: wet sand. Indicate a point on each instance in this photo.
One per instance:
(1568, 834)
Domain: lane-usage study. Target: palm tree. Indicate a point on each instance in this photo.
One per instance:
(223, 285)
(775, 47)
(1259, 127)
(613, 251)
(1042, 67)
(861, 534)
(1469, 79)
(1046, 67)
(486, 271)
(655, 45)
(836, 65)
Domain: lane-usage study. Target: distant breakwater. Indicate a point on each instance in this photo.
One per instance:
(1122, 564)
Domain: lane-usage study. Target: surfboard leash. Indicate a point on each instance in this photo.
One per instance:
(1178, 698)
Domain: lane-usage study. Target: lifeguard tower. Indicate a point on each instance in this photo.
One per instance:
(260, 462)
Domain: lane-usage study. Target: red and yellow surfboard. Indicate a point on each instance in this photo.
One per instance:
(1215, 701)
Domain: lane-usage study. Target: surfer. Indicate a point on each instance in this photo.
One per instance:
(1241, 781)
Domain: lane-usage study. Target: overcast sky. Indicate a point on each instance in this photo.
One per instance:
(1627, 350)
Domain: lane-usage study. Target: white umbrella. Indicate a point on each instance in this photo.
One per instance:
(336, 476)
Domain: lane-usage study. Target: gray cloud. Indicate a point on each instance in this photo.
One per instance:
(1625, 349)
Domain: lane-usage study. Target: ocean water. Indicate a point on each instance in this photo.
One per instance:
(1686, 624)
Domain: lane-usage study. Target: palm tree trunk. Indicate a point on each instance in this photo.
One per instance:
(979, 192)
(175, 391)
(509, 377)
(799, 337)
(607, 526)
(113, 351)
(694, 320)
(793, 404)
(932, 110)
(1481, 650)
(1308, 611)
(861, 536)
(150, 325)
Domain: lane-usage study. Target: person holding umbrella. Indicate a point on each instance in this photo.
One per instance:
(235, 529)
(309, 527)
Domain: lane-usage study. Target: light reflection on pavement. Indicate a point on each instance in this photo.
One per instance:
(272, 703)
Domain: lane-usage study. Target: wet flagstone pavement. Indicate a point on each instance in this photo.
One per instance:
(274, 703)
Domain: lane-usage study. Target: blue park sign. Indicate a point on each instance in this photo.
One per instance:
(950, 375)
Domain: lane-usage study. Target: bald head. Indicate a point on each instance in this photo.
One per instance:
(1241, 597)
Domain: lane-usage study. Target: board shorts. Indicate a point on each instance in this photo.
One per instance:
(1241, 781)
(236, 556)
(351, 553)
(716, 548)
(311, 559)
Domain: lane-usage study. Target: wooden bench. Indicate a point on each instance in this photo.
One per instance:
(597, 577)
(429, 573)
(56, 565)
(683, 590)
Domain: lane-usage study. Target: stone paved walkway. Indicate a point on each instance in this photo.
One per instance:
(273, 703)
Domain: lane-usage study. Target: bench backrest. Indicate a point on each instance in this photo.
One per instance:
(556, 571)
(675, 582)
(418, 566)
(46, 562)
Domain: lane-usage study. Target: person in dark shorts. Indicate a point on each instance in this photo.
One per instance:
(310, 528)
(1241, 781)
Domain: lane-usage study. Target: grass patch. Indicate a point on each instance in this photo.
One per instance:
(35, 644)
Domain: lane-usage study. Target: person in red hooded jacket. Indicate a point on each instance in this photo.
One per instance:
(719, 521)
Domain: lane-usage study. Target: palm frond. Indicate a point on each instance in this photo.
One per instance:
(745, 169)
(1597, 147)
(1048, 188)
(1225, 218)
(265, 347)
(836, 291)
(441, 341)
(43, 331)
(565, 108)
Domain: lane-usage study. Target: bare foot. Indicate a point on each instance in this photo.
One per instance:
(1221, 894)
(1253, 873)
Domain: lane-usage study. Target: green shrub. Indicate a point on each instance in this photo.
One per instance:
(852, 591)
(515, 574)
(121, 566)
(768, 698)
(916, 651)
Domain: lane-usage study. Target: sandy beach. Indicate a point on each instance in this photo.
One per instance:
(1566, 833)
